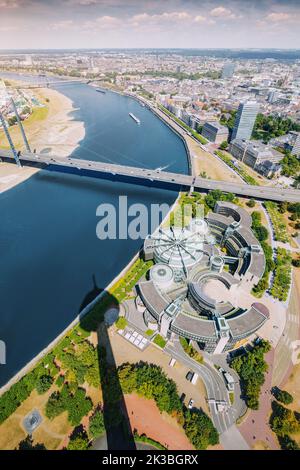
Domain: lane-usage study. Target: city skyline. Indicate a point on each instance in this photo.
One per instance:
(146, 24)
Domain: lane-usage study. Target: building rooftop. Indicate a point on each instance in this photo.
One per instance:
(152, 297)
(251, 320)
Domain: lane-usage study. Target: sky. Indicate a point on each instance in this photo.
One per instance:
(42, 24)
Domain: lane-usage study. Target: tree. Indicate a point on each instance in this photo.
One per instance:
(283, 396)
(282, 207)
(96, 424)
(261, 233)
(26, 110)
(251, 203)
(54, 406)
(287, 443)
(224, 145)
(27, 444)
(12, 120)
(296, 263)
(43, 384)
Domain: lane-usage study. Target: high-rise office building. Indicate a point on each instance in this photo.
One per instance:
(245, 120)
(228, 70)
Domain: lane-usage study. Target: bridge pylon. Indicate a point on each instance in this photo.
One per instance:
(11, 144)
(20, 125)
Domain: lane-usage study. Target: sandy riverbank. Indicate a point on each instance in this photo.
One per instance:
(50, 129)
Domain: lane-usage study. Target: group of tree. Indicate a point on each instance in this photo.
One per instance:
(282, 274)
(28, 444)
(79, 358)
(200, 429)
(290, 165)
(284, 422)
(269, 126)
(228, 119)
(72, 399)
(262, 234)
(251, 368)
(39, 378)
(213, 74)
(150, 381)
(260, 231)
(217, 195)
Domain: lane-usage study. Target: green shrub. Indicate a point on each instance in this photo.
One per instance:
(79, 442)
(43, 384)
(190, 351)
(160, 341)
(121, 323)
(148, 440)
(149, 332)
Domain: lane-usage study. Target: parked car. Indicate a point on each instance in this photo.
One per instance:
(189, 376)
(190, 404)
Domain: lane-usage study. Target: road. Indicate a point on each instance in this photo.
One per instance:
(214, 383)
(283, 351)
(96, 169)
(230, 436)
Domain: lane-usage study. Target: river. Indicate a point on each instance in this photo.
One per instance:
(52, 263)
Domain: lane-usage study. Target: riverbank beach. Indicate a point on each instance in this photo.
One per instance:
(50, 129)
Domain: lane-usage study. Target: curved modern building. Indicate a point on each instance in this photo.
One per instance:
(194, 286)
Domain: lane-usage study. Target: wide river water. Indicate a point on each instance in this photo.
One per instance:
(51, 261)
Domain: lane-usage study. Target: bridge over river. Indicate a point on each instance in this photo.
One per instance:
(150, 177)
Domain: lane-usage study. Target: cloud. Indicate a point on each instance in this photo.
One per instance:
(222, 12)
(8, 4)
(101, 23)
(84, 3)
(278, 17)
(200, 19)
(7, 29)
(62, 25)
(177, 16)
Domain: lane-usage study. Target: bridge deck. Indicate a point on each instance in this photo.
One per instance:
(89, 168)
